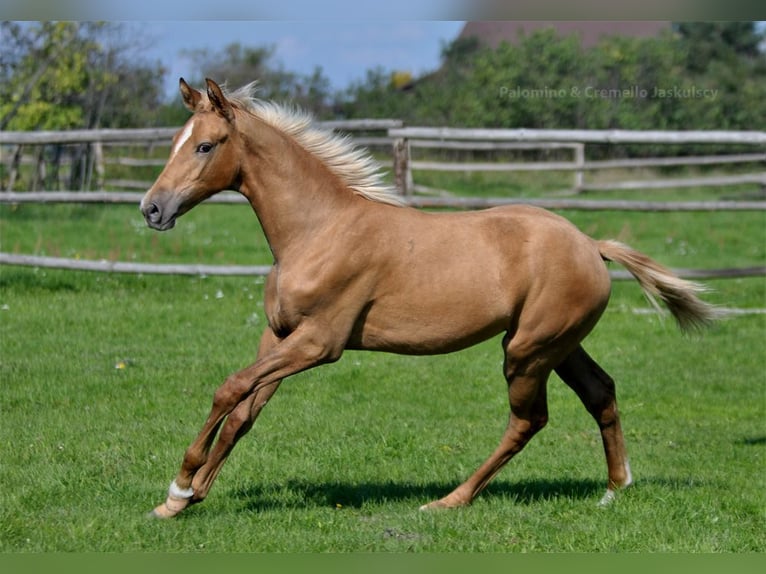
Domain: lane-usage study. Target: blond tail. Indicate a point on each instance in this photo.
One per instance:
(658, 282)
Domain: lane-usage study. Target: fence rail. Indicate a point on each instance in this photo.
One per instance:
(164, 134)
(262, 270)
(229, 197)
(407, 138)
(582, 136)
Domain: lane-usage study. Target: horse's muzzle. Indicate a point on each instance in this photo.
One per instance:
(153, 214)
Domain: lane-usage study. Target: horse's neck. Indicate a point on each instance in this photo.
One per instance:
(293, 194)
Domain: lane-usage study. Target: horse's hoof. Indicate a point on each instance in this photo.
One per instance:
(613, 489)
(162, 512)
(170, 508)
(441, 504)
(607, 499)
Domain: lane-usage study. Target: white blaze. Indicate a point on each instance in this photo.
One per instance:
(185, 135)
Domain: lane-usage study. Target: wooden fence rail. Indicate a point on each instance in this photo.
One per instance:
(261, 270)
(406, 138)
(134, 198)
(582, 136)
(165, 134)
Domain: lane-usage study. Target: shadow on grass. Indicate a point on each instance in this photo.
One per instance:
(753, 441)
(300, 494)
(25, 279)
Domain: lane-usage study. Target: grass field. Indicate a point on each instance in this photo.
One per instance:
(107, 378)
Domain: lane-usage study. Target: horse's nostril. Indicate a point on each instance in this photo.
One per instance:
(152, 213)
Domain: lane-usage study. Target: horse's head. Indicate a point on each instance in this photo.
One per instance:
(204, 159)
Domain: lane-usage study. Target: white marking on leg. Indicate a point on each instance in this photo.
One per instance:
(185, 135)
(176, 492)
(628, 475)
(607, 498)
(610, 494)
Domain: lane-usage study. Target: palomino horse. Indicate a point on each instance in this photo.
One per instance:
(356, 269)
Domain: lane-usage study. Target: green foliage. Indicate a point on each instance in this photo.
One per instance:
(546, 81)
(37, 85)
(237, 65)
(65, 75)
(710, 42)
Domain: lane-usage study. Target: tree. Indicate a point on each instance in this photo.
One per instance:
(710, 42)
(375, 97)
(67, 75)
(62, 75)
(726, 57)
(43, 68)
(543, 80)
(237, 65)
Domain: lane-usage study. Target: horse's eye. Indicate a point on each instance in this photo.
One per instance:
(204, 147)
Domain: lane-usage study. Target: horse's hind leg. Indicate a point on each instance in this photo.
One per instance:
(527, 377)
(597, 392)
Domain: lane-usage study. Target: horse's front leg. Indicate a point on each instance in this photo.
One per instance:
(239, 401)
(237, 424)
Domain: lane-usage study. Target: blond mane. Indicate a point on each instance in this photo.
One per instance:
(353, 165)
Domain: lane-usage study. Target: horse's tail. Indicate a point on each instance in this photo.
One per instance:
(679, 295)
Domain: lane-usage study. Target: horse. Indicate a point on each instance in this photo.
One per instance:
(354, 267)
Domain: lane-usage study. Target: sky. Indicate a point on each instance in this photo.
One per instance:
(344, 49)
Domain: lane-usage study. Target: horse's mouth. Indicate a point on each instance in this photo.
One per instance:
(170, 224)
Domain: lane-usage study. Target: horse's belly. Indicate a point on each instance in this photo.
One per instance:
(426, 327)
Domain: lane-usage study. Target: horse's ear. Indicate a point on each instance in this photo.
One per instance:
(190, 96)
(220, 104)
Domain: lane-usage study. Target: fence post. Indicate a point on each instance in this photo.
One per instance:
(579, 159)
(402, 173)
(98, 162)
(14, 170)
(39, 175)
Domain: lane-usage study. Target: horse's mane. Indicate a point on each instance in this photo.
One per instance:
(352, 164)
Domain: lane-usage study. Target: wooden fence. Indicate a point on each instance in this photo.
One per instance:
(401, 140)
(390, 134)
(365, 132)
(407, 138)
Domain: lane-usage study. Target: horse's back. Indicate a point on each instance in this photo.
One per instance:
(518, 244)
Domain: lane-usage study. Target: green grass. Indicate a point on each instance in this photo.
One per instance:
(343, 456)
